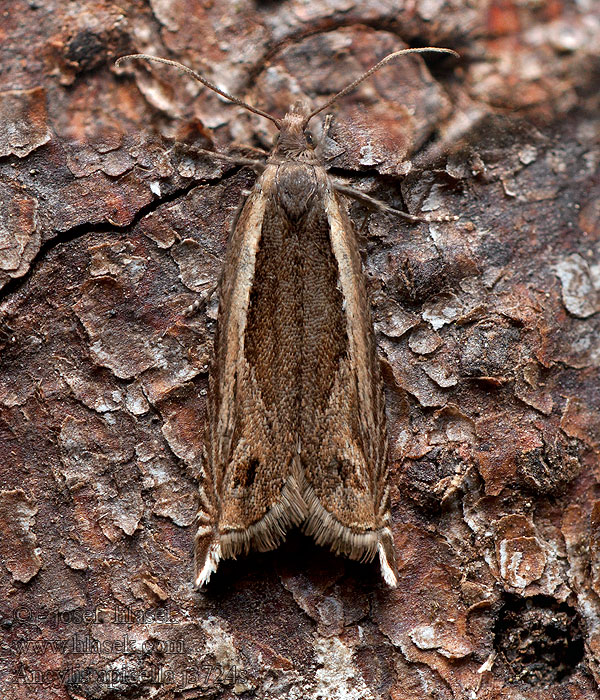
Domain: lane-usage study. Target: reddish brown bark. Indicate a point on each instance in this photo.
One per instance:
(112, 224)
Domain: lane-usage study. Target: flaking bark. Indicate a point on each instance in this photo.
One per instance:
(113, 222)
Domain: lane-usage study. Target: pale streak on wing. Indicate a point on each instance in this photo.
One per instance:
(358, 324)
(239, 303)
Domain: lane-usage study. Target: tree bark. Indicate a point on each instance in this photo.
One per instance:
(113, 222)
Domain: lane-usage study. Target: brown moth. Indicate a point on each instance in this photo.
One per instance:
(296, 432)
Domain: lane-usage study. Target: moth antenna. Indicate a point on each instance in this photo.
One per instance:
(200, 79)
(376, 67)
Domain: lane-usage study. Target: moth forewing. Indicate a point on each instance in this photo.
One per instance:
(351, 512)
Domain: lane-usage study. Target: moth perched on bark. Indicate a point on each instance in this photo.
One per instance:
(296, 432)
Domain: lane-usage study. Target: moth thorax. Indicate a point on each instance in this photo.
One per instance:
(297, 185)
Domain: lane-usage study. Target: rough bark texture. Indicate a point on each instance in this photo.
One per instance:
(112, 224)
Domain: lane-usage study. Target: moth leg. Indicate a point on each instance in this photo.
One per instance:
(202, 301)
(257, 165)
(324, 137)
(363, 226)
(252, 149)
(377, 204)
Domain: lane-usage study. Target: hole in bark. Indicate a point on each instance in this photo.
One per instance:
(538, 639)
(86, 49)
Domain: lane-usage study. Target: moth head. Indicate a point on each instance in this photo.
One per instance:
(294, 139)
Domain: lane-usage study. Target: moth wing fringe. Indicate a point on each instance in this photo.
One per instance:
(207, 554)
(263, 535)
(268, 532)
(326, 530)
(387, 561)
